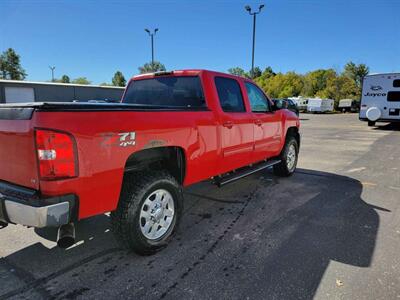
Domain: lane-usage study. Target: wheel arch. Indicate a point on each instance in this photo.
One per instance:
(293, 131)
(170, 158)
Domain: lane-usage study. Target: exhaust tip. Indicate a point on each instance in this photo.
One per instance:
(65, 242)
(66, 236)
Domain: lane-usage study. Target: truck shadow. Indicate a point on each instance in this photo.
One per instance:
(334, 225)
(276, 241)
(389, 127)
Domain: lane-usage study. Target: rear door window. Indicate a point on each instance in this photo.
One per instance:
(229, 94)
(396, 83)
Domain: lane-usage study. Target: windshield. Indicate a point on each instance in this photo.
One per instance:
(175, 91)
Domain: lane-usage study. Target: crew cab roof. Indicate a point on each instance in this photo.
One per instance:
(186, 72)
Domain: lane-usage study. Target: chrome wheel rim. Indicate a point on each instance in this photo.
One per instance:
(157, 214)
(291, 157)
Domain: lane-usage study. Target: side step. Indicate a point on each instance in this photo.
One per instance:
(235, 175)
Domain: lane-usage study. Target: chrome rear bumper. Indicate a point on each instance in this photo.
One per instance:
(45, 216)
(30, 210)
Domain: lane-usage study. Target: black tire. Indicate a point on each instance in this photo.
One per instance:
(371, 123)
(282, 169)
(126, 221)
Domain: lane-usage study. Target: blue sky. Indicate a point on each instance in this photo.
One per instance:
(96, 38)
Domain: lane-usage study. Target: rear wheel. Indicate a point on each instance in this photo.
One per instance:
(371, 123)
(288, 157)
(148, 212)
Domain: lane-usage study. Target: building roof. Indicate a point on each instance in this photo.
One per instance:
(58, 84)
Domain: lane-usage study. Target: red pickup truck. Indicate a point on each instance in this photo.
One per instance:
(63, 162)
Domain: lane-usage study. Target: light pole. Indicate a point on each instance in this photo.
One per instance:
(52, 73)
(152, 45)
(254, 14)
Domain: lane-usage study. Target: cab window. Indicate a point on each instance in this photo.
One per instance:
(258, 101)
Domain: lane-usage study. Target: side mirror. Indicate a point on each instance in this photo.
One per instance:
(276, 105)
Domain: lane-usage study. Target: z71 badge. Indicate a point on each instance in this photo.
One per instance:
(122, 139)
(127, 139)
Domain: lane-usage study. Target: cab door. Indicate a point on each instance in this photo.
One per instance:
(236, 125)
(267, 124)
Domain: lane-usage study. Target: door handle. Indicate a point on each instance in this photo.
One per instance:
(228, 124)
(258, 122)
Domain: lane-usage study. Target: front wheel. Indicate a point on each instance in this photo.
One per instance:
(148, 212)
(288, 157)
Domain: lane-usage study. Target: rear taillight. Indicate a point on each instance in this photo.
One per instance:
(56, 154)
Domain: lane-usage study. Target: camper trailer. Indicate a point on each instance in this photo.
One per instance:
(301, 102)
(317, 105)
(14, 91)
(380, 100)
(349, 105)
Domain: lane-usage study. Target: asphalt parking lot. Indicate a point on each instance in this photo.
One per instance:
(330, 231)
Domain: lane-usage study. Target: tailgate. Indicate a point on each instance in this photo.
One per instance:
(17, 148)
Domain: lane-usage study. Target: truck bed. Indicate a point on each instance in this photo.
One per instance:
(24, 111)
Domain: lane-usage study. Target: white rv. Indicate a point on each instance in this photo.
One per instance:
(320, 105)
(301, 102)
(349, 105)
(380, 100)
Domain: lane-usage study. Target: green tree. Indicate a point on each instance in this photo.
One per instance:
(256, 72)
(149, 67)
(283, 85)
(3, 67)
(106, 84)
(324, 83)
(81, 80)
(268, 72)
(64, 79)
(316, 81)
(237, 71)
(10, 66)
(118, 79)
(356, 72)
(340, 87)
(265, 75)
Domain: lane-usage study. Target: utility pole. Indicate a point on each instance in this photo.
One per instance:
(254, 14)
(52, 73)
(152, 45)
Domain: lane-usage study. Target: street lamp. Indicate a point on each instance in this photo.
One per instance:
(254, 14)
(152, 45)
(52, 73)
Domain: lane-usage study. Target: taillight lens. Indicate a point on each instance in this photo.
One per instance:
(56, 155)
